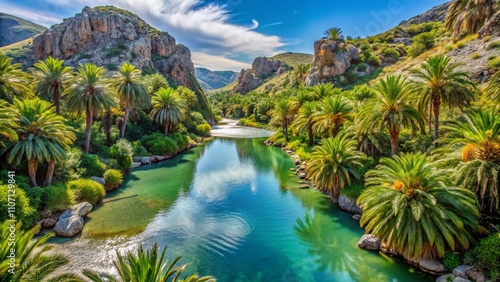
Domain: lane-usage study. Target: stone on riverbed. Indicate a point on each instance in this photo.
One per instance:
(49, 223)
(69, 227)
(136, 164)
(444, 278)
(145, 160)
(356, 217)
(369, 242)
(302, 175)
(476, 274)
(461, 271)
(432, 266)
(304, 186)
(81, 209)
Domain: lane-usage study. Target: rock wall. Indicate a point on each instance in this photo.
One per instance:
(262, 68)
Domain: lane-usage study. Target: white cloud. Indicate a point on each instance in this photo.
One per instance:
(216, 63)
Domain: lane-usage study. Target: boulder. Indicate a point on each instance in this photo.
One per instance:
(145, 160)
(460, 271)
(460, 279)
(81, 209)
(445, 278)
(349, 204)
(99, 180)
(491, 27)
(136, 164)
(304, 186)
(137, 159)
(432, 266)
(476, 274)
(159, 158)
(356, 217)
(302, 175)
(68, 227)
(369, 242)
(49, 223)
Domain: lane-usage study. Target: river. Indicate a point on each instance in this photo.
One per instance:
(234, 210)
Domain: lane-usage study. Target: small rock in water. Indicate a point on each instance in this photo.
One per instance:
(356, 217)
(369, 242)
(444, 278)
(461, 271)
(302, 175)
(49, 223)
(304, 186)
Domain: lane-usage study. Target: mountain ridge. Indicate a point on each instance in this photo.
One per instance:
(15, 29)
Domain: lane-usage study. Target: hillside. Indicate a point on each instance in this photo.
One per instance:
(210, 80)
(15, 29)
(293, 59)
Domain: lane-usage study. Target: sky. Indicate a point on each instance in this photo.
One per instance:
(229, 34)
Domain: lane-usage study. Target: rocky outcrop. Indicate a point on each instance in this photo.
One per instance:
(330, 60)
(476, 274)
(369, 242)
(81, 209)
(436, 14)
(432, 266)
(349, 204)
(491, 27)
(262, 68)
(71, 221)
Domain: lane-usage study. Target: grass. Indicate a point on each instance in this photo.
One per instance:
(17, 50)
(494, 63)
(493, 45)
(294, 59)
(475, 56)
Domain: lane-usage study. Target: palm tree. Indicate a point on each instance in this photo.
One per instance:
(478, 133)
(89, 93)
(302, 95)
(409, 205)
(301, 70)
(493, 88)
(469, 15)
(155, 82)
(13, 81)
(305, 120)
(333, 163)
(439, 82)
(320, 91)
(168, 108)
(42, 136)
(131, 91)
(333, 113)
(334, 33)
(51, 76)
(283, 113)
(147, 265)
(7, 123)
(32, 261)
(391, 109)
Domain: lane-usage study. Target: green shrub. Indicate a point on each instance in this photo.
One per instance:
(372, 59)
(87, 190)
(487, 255)
(92, 166)
(390, 52)
(420, 28)
(70, 168)
(426, 38)
(278, 139)
(158, 144)
(486, 38)
(493, 45)
(362, 67)
(122, 152)
(494, 64)
(58, 197)
(451, 260)
(180, 140)
(353, 191)
(460, 44)
(204, 129)
(475, 56)
(304, 153)
(24, 211)
(113, 178)
(416, 49)
(139, 150)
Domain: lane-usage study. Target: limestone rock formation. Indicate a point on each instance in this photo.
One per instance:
(436, 14)
(330, 61)
(369, 242)
(491, 27)
(70, 226)
(262, 68)
(349, 204)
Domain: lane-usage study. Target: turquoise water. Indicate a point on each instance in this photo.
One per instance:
(237, 214)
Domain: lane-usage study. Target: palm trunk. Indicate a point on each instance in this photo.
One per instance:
(335, 193)
(285, 129)
(32, 166)
(88, 129)
(394, 143)
(165, 129)
(106, 120)
(57, 99)
(335, 130)
(429, 121)
(50, 173)
(311, 136)
(436, 105)
(124, 123)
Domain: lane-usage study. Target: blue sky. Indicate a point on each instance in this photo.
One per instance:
(229, 34)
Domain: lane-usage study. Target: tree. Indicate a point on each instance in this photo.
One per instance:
(390, 109)
(439, 82)
(469, 15)
(146, 265)
(51, 76)
(493, 88)
(305, 120)
(334, 33)
(283, 113)
(333, 113)
(131, 91)
(333, 163)
(7, 123)
(322, 90)
(13, 81)
(410, 206)
(42, 136)
(89, 93)
(478, 133)
(168, 108)
(301, 70)
(155, 82)
(32, 261)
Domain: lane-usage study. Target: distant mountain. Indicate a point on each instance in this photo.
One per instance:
(14, 29)
(210, 80)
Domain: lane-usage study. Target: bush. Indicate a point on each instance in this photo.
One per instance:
(92, 166)
(122, 151)
(416, 49)
(475, 56)
(204, 129)
(180, 140)
(113, 179)
(426, 38)
(24, 211)
(362, 67)
(373, 60)
(451, 260)
(87, 190)
(304, 153)
(158, 144)
(493, 45)
(390, 52)
(70, 168)
(58, 197)
(494, 64)
(487, 255)
(139, 150)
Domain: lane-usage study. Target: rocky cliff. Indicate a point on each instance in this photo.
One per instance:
(262, 69)
(14, 29)
(436, 14)
(210, 80)
(108, 36)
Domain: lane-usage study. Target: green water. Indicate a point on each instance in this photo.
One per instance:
(234, 210)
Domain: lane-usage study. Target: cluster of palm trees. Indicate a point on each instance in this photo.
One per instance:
(436, 205)
(35, 130)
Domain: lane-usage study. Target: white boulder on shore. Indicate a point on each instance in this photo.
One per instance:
(71, 221)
